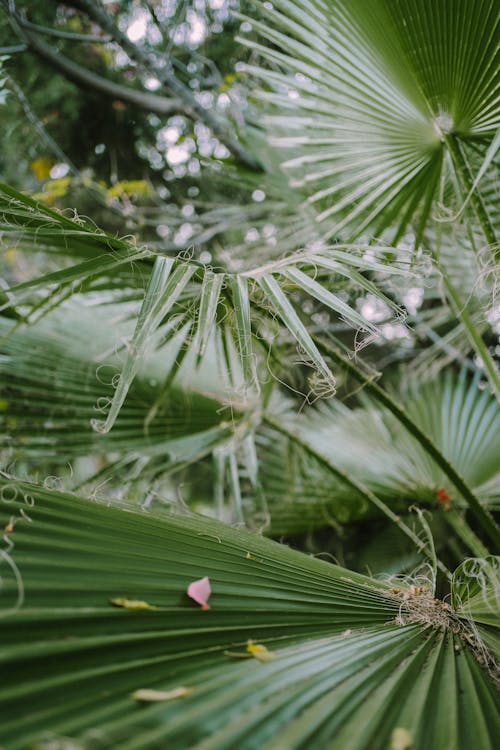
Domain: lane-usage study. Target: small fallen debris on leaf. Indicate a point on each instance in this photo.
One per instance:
(249, 556)
(255, 650)
(144, 695)
(260, 652)
(122, 601)
(200, 591)
(418, 590)
(401, 739)
(409, 592)
(9, 528)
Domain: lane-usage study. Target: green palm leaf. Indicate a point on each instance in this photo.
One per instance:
(160, 430)
(367, 444)
(476, 590)
(58, 375)
(238, 309)
(435, 322)
(344, 648)
(363, 97)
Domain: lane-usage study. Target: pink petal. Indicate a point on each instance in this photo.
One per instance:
(200, 591)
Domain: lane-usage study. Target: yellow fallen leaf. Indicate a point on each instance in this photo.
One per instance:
(41, 167)
(11, 255)
(122, 601)
(401, 739)
(260, 652)
(129, 188)
(152, 696)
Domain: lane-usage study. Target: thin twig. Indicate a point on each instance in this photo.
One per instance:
(40, 129)
(14, 49)
(54, 147)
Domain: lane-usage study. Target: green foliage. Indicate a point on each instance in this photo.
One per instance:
(286, 328)
(381, 80)
(340, 656)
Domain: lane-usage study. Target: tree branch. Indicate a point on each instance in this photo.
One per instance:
(83, 77)
(60, 34)
(14, 49)
(192, 107)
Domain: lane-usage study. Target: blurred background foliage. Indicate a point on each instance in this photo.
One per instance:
(84, 147)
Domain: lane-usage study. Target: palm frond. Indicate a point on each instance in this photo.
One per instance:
(362, 98)
(476, 589)
(177, 292)
(335, 647)
(61, 374)
(168, 422)
(461, 418)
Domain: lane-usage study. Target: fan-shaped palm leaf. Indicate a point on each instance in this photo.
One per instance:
(364, 96)
(330, 652)
(368, 445)
(57, 376)
(187, 293)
